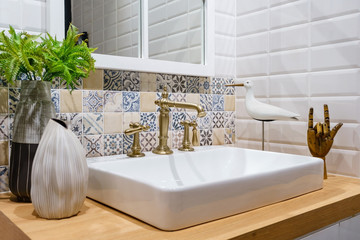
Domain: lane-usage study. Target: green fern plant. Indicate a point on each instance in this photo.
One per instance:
(23, 53)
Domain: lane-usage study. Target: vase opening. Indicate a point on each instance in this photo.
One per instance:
(62, 123)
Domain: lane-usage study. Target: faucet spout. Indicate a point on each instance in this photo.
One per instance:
(164, 103)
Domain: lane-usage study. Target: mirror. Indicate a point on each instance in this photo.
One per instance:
(111, 26)
(137, 52)
(176, 30)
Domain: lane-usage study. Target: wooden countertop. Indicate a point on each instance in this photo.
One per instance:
(339, 199)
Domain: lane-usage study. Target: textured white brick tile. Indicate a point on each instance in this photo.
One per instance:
(296, 105)
(338, 29)
(225, 46)
(288, 132)
(348, 137)
(341, 109)
(289, 61)
(253, 44)
(289, 14)
(226, 6)
(344, 162)
(289, 38)
(225, 25)
(250, 130)
(335, 83)
(245, 6)
(274, 3)
(287, 148)
(176, 8)
(328, 8)
(252, 66)
(336, 56)
(250, 144)
(252, 23)
(241, 110)
(290, 85)
(225, 66)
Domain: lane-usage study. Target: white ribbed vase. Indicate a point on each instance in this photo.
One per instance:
(59, 173)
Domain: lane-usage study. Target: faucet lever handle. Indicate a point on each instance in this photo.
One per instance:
(195, 138)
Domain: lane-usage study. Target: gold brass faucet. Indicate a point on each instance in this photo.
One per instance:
(135, 129)
(186, 144)
(164, 103)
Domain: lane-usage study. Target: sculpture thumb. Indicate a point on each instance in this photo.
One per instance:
(335, 130)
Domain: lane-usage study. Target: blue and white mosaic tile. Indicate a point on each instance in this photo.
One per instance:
(205, 122)
(4, 178)
(14, 97)
(163, 80)
(218, 102)
(178, 84)
(218, 85)
(217, 119)
(229, 119)
(193, 85)
(206, 101)
(113, 101)
(130, 81)
(131, 101)
(73, 122)
(4, 127)
(229, 90)
(112, 80)
(150, 119)
(176, 118)
(113, 144)
(55, 98)
(93, 123)
(93, 101)
(206, 137)
(127, 143)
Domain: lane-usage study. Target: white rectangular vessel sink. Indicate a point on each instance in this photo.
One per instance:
(180, 190)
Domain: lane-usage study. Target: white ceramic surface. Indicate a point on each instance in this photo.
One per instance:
(188, 188)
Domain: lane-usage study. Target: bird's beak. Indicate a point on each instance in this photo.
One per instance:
(235, 85)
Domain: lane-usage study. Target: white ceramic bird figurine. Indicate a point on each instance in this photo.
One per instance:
(262, 111)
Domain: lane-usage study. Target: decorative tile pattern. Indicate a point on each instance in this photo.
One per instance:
(4, 127)
(78, 85)
(217, 119)
(218, 85)
(3, 82)
(177, 97)
(131, 101)
(148, 141)
(14, 97)
(112, 80)
(113, 101)
(177, 117)
(218, 102)
(55, 83)
(205, 122)
(130, 81)
(193, 85)
(229, 90)
(127, 143)
(205, 137)
(163, 80)
(113, 144)
(4, 178)
(229, 135)
(206, 101)
(204, 85)
(94, 145)
(229, 120)
(177, 138)
(150, 119)
(55, 98)
(93, 123)
(73, 121)
(178, 84)
(11, 124)
(93, 101)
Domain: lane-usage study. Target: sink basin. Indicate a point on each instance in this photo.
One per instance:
(180, 190)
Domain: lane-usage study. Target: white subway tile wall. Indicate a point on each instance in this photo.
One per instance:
(301, 54)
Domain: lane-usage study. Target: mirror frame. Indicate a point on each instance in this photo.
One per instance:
(56, 26)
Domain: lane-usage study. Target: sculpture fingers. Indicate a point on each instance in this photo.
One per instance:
(327, 117)
(335, 130)
(326, 129)
(311, 118)
(319, 130)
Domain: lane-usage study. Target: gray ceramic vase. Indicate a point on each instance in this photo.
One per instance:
(33, 112)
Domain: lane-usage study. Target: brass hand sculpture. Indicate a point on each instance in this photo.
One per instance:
(320, 138)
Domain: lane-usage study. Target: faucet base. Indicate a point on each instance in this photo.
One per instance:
(163, 150)
(186, 149)
(132, 154)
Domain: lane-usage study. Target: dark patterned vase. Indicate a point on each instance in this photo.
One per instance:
(32, 114)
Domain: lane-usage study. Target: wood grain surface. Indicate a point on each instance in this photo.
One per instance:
(339, 199)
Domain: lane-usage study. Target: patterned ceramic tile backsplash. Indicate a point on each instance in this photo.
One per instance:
(103, 106)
